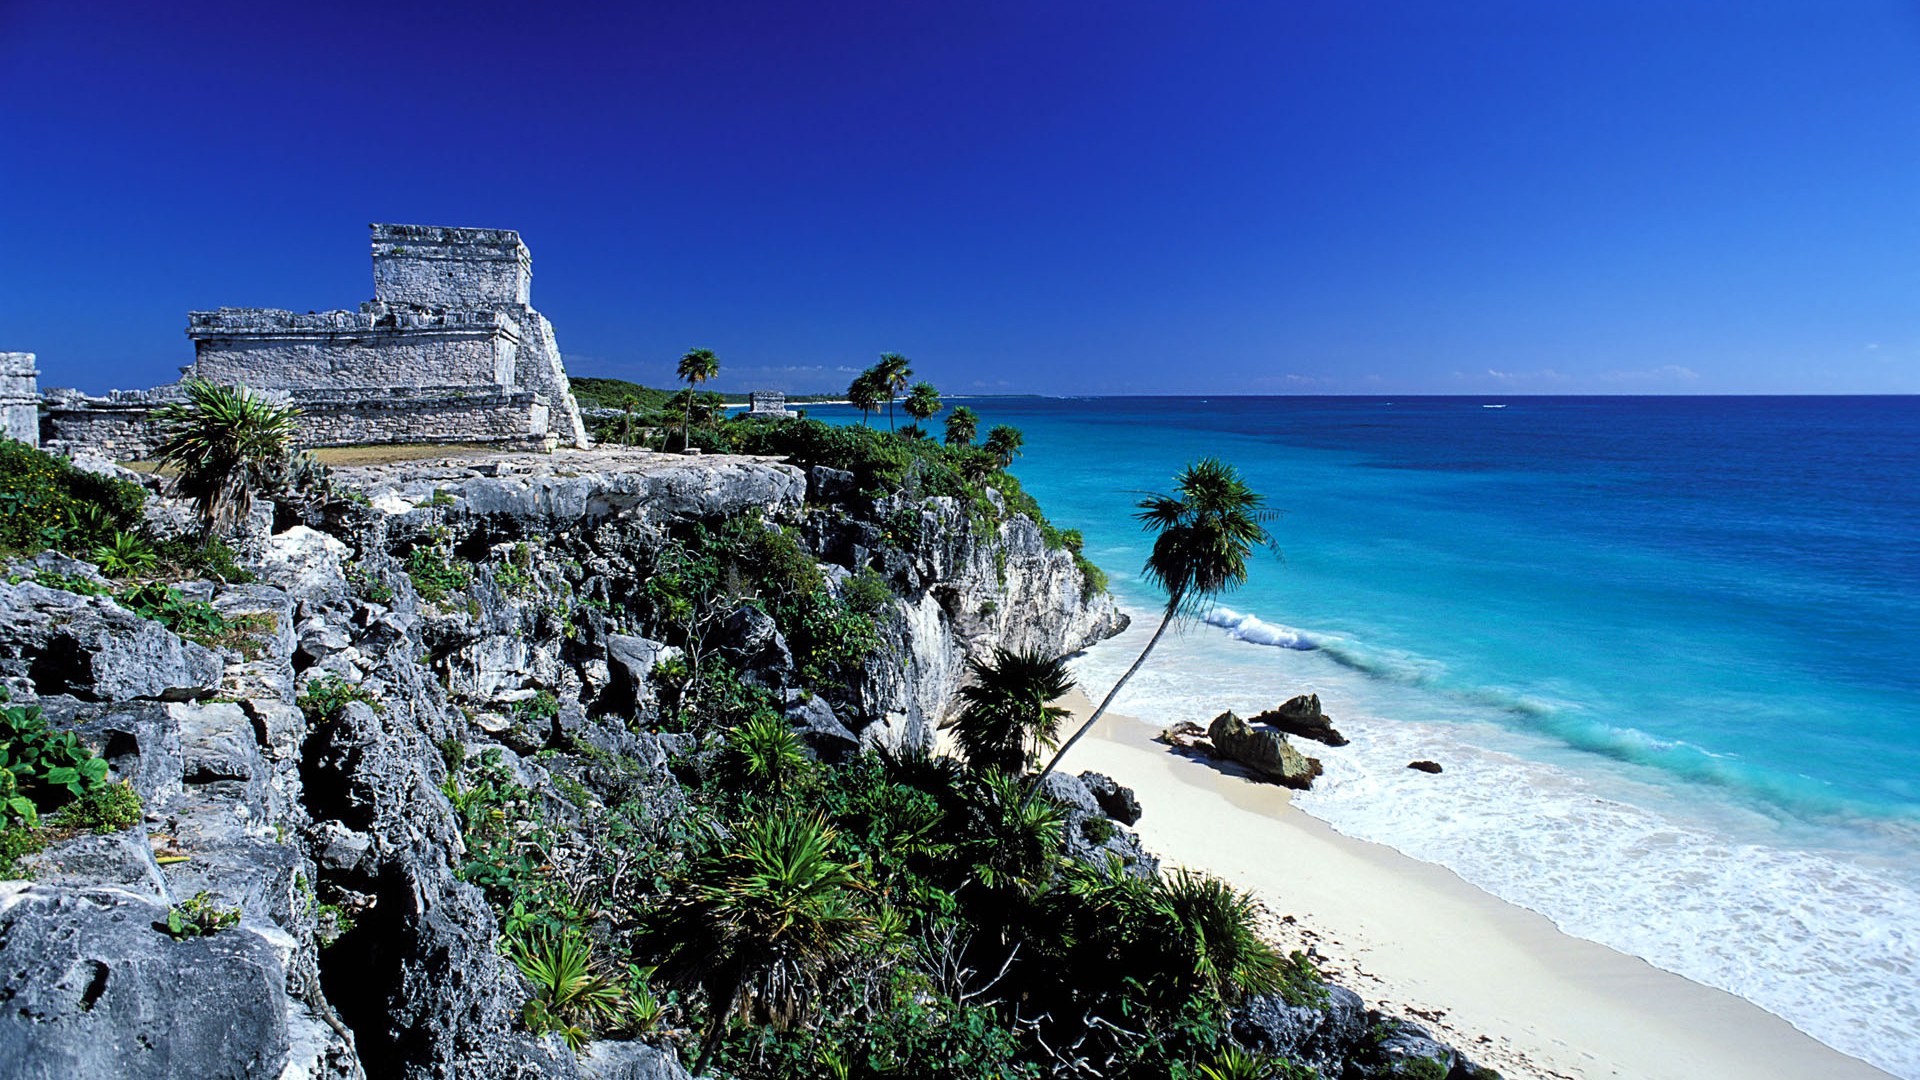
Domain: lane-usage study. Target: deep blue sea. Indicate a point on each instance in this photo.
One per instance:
(1668, 650)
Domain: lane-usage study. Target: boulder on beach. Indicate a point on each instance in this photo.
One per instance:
(1186, 735)
(1424, 766)
(1265, 752)
(1302, 716)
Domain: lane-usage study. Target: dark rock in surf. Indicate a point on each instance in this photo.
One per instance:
(1267, 753)
(1424, 766)
(1301, 716)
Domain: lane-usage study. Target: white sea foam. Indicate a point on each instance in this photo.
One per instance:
(1828, 940)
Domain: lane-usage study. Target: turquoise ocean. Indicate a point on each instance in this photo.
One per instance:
(1667, 649)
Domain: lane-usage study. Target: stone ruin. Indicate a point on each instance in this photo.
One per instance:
(19, 403)
(448, 350)
(771, 403)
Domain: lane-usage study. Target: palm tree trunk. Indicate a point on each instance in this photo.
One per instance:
(686, 421)
(1165, 621)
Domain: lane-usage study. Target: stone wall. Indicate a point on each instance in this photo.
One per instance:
(118, 426)
(449, 414)
(19, 398)
(439, 267)
(373, 348)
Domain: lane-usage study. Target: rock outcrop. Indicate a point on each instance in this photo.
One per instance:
(300, 781)
(1267, 753)
(1301, 717)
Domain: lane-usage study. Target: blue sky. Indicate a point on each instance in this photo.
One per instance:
(1338, 197)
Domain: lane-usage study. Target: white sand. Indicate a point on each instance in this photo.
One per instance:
(1415, 940)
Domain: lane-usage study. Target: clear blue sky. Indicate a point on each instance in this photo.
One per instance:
(1269, 197)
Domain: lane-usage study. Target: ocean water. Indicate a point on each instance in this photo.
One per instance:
(1667, 649)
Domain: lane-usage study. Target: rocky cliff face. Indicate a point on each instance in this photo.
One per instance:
(296, 774)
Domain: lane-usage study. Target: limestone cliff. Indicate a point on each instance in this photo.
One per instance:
(298, 776)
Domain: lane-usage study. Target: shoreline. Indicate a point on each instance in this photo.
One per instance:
(1502, 983)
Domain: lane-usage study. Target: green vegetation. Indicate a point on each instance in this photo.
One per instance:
(1007, 716)
(923, 401)
(125, 554)
(892, 374)
(47, 504)
(696, 367)
(199, 916)
(962, 426)
(104, 808)
(328, 694)
(41, 769)
(226, 442)
(1204, 532)
(436, 574)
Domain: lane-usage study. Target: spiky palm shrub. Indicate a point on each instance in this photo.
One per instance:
(696, 367)
(761, 924)
(225, 442)
(1012, 848)
(125, 554)
(1003, 444)
(570, 995)
(1007, 716)
(1209, 928)
(1207, 527)
(765, 754)
(963, 424)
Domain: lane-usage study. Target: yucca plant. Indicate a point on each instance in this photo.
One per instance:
(1234, 1063)
(570, 995)
(225, 442)
(125, 555)
(761, 923)
(1014, 846)
(1007, 716)
(766, 754)
(1208, 927)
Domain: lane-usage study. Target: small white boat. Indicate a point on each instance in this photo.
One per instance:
(1493, 406)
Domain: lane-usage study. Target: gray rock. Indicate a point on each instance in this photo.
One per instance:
(1069, 791)
(825, 735)
(95, 987)
(1322, 1037)
(1301, 716)
(93, 649)
(123, 860)
(1116, 800)
(1267, 753)
(1399, 1044)
(609, 1060)
(751, 640)
(828, 485)
(140, 740)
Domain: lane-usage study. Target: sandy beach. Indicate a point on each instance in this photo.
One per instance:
(1500, 982)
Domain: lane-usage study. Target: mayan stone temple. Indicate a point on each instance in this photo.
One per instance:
(448, 350)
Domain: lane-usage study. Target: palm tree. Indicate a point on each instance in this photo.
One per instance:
(866, 393)
(696, 367)
(225, 441)
(1207, 528)
(893, 374)
(962, 425)
(765, 754)
(1004, 443)
(766, 918)
(922, 402)
(1008, 715)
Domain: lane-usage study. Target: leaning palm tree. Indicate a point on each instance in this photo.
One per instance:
(962, 425)
(1004, 443)
(922, 402)
(225, 441)
(1207, 528)
(1008, 716)
(866, 393)
(696, 367)
(764, 920)
(893, 372)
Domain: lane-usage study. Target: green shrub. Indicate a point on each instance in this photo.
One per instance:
(1422, 1069)
(125, 554)
(170, 608)
(17, 841)
(199, 916)
(540, 709)
(867, 593)
(47, 503)
(72, 583)
(105, 808)
(41, 769)
(329, 694)
(1097, 830)
(435, 574)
